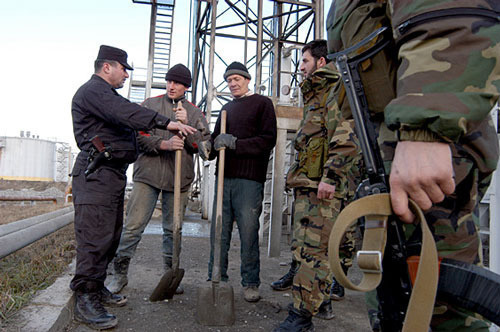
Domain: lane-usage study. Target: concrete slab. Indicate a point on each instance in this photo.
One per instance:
(50, 310)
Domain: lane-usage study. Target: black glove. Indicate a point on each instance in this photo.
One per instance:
(225, 141)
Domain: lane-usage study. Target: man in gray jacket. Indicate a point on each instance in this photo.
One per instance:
(154, 172)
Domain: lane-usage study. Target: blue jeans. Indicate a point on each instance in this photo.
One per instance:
(140, 208)
(242, 201)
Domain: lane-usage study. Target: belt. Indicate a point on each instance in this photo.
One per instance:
(114, 163)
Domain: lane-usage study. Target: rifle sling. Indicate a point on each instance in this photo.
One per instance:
(377, 208)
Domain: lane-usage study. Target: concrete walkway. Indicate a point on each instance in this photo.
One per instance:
(51, 310)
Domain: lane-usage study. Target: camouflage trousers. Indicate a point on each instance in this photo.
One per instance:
(455, 226)
(313, 222)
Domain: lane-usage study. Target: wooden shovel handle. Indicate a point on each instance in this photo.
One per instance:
(220, 189)
(222, 159)
(177, 209)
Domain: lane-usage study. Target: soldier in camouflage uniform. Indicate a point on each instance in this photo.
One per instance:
(437, 137)
(324, 179)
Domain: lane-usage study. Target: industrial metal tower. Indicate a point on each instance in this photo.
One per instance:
(267, 37)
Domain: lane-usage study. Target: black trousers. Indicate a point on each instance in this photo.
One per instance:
(98, 200)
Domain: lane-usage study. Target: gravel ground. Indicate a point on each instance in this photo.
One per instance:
(179, 313)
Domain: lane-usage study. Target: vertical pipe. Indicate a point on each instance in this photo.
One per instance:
(277, 188)
(246, 35)
(258, 62)
(319, 20)
(206, 212)
(151, 53)
(196, 51)
(210, 92)
(276, 52)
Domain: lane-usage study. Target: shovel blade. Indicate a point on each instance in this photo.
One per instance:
(215, 305)
(167, 285)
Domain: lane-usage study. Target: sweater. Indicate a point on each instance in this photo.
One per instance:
(251, 119)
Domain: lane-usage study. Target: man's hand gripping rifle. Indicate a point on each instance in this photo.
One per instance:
(397, 304)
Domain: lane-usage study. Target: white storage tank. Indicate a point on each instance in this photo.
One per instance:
(34, 159)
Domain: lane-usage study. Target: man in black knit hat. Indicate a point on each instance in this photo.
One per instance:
(250, 137)
(154, 172)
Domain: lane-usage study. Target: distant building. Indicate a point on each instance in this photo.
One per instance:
(32, 159)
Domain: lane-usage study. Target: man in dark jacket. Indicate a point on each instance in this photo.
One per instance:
(104, 125)
(154, 172)
(250, 137)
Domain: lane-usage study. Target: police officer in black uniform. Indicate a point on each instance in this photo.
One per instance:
(104, 124)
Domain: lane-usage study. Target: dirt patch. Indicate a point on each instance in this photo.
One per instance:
(13, 212)
(17, 210)
(32, 185)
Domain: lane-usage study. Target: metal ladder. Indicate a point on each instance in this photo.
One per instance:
(143, 80)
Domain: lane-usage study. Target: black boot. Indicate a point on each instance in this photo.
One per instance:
(297, 321)
(112, 300)
(337, 291)
(325, 311)
(286, 281)
(89, 310)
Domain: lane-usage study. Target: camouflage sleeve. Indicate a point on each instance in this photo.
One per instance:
(343, 151)
(343, 156)
(449, 72)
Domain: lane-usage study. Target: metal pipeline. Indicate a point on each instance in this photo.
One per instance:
(19, 234)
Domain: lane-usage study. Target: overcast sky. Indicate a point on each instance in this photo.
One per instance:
(48, 49)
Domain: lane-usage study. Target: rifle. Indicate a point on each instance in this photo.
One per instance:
(96, 161)
(461, 284)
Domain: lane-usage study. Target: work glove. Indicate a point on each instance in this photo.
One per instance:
(204, 148)
(225, 141)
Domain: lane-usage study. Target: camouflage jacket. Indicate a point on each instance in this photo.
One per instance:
(448, 69)
(327, 148)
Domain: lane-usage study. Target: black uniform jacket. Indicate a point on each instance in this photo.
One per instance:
(98, 109)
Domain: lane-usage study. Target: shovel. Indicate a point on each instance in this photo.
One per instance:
(172, 278)
(215, 305)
